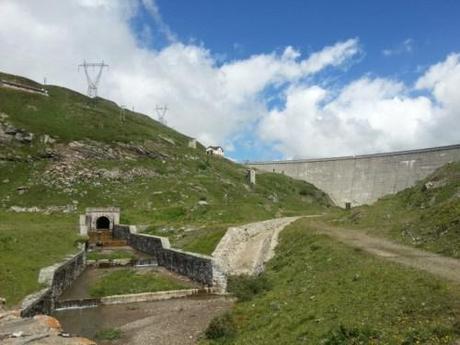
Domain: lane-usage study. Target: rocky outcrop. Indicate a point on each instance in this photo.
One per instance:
(9, 133)
(75, 163)
(41, 329)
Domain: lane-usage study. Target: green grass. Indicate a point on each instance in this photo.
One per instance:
(128, 281)
(29, 242)
(427, 218)
(69, 115)
(323, 292)
(204, 241)
(113, 255)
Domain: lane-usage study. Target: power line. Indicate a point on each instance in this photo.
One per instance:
(93, 81)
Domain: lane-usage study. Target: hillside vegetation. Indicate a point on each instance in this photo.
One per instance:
(64, 152)
(426, 215)
(319, 291)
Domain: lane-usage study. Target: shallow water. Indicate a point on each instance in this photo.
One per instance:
(176, 321)
(88, 321)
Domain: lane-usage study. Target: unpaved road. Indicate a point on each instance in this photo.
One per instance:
(441, 266)
(244, 249)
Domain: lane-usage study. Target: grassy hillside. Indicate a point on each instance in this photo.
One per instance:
(65, 152)
(425, 216)
(319, 291)
(27, 243)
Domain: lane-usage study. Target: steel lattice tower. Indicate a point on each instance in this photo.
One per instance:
(93, 82)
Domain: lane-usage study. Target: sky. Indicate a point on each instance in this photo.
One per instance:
(264, 79)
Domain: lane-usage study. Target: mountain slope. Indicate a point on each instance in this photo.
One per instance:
(64, 152)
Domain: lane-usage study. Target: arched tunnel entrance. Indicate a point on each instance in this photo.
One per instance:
(103, 223)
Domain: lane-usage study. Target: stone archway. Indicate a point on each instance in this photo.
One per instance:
(103, 223)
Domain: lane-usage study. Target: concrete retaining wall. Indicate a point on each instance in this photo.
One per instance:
(363, 179)
(152, 296)
(195, 266)
(56, 278)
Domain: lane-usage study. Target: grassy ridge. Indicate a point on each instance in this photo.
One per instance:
(426, 215)
(69, 115)
(322, 292)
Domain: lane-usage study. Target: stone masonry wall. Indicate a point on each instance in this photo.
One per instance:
(195, 266)
(121, 232)
(56, 278)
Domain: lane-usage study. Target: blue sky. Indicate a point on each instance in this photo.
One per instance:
(399, 38)
(265, 79)
(237, 29)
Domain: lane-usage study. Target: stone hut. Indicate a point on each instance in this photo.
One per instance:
(98, 223)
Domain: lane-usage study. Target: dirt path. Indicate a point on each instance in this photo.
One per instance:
(441, 266)
(245, 249)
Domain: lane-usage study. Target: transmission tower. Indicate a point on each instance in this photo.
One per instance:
(93, 81)
(123, 109)
(161, 113)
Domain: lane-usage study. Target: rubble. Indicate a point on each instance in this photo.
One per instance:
(41, 329)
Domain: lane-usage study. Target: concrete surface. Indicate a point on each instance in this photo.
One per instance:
(363, 179)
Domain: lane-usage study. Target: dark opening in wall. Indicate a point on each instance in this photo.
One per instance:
(103, 223)
(348, 205)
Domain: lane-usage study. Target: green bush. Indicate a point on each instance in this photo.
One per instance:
(222, 326)
(351, 336)
(246, 287)
(305, 192)
(109, 334)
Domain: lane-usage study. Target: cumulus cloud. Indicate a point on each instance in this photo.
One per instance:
(206, 100)
(215, 100)
(368, 115)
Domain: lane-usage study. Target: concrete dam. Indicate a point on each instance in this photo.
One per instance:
(364, 179)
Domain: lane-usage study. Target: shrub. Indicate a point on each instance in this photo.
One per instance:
(203, 165)
(109, 334)
(245, 287)
(305, 191)
(222, 326)
(350, 336)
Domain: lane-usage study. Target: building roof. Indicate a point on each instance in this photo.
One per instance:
(214, 148)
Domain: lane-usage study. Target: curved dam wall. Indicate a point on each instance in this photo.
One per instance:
(363, 179)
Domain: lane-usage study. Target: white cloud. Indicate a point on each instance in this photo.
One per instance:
(206, 100)
(407, 46)
(216, 100)
(154, 11)
(368, 115)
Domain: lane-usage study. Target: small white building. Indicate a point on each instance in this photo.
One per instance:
(215, 151)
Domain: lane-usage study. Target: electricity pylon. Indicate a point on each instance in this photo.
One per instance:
(93, 82)
(161, 113)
